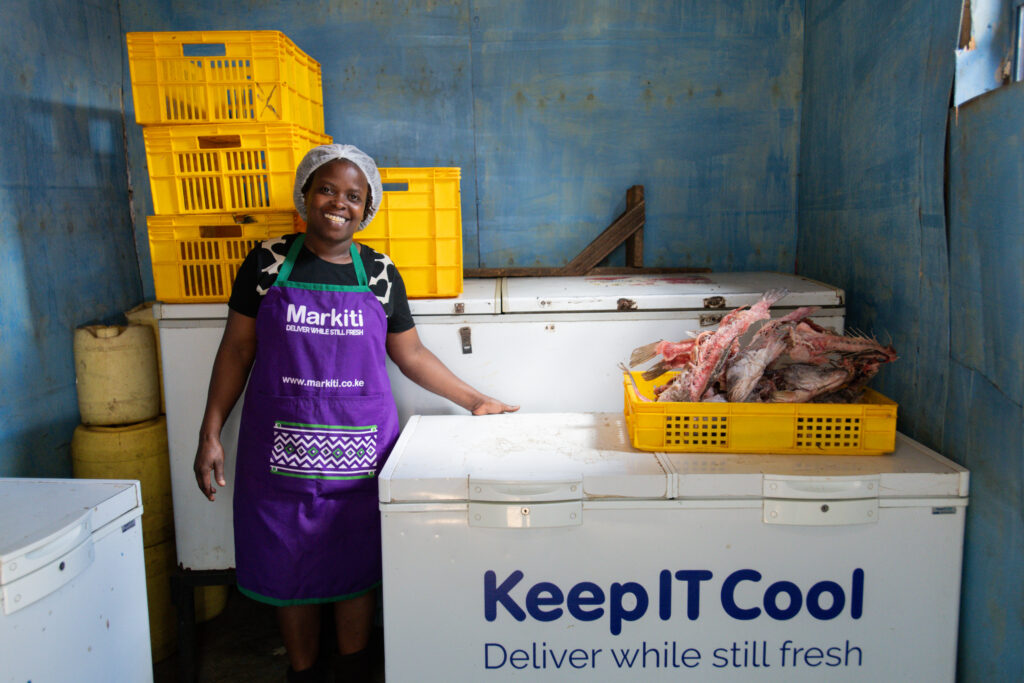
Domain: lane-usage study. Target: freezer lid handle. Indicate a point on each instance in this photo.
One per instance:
(526, 490)
(46, 550)
(48, 579)
(820, 488)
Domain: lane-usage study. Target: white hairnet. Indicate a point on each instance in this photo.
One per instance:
(318, 156)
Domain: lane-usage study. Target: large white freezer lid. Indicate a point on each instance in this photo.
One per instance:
(42, 516)
(647, 292)
(480, 296)
(437, 457)
(593, 294)
(910, 471)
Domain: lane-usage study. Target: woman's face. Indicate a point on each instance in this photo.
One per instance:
(335, 202)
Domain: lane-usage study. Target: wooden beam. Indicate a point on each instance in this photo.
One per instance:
(627, 228)
(511, 272)
(624, 227)
(553, 272)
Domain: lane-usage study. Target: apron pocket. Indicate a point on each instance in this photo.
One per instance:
(328, 438)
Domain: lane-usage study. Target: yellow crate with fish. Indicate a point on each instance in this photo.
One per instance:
(189, 77)
(865, 428)
(761, 385)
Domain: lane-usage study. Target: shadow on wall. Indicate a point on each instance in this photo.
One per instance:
(69, 259)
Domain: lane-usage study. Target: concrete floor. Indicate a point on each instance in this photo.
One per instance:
(240, 644)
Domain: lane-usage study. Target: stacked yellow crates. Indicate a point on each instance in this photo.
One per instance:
(226, 117)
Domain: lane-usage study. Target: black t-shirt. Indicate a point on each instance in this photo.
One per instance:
(259, 271)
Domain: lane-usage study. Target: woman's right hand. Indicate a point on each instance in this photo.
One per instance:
(209, 458)
(230, 369)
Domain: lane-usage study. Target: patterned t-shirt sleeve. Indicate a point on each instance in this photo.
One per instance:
(387, 285)
(244, 298)
(257, 273)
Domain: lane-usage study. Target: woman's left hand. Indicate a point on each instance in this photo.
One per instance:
(492, 406)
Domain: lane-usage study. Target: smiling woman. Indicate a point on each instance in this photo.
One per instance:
(312, 319)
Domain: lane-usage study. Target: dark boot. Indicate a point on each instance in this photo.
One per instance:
(315, 674)
(355, 668)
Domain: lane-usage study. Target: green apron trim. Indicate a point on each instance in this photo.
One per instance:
(339, 477)
(289, 262)
(306, 601)
(365, 428)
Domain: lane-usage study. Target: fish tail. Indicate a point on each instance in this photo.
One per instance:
(642, 354)
(656, 371)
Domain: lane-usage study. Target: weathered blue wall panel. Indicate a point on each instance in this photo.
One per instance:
(553, 110)
(877, 86)
(697, 102)
(985, 421)
(876, 91)
(66, 242)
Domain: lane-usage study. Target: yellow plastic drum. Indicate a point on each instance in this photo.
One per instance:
(210, 601)
(137, 451)
(143, 314)
(116, 374)
(163, 621)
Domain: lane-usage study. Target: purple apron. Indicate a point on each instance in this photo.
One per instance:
(317, 425)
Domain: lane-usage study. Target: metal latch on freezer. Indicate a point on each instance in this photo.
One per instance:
(820, 501)
(525, 504)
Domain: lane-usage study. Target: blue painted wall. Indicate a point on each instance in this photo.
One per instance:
(941, 281)
(67, 248)
(984, 419)
(553, 110)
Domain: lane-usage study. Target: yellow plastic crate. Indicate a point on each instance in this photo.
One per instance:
(223, 77)
(419, 225)
(229, 167)
(195, 258)
(866, 428)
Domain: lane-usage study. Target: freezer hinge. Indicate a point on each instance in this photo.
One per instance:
(709, 319)
(714, 302)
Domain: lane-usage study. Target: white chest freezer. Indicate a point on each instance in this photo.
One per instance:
(72, 582)
(544, 547)
(547, 344)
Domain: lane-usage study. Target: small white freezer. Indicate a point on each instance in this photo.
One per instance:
(545, 547)
(549, 344)
(72, 582)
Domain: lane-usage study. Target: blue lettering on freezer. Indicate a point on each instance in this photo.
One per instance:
(629, 601)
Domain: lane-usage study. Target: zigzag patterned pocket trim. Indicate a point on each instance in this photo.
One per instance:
(324, 451)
